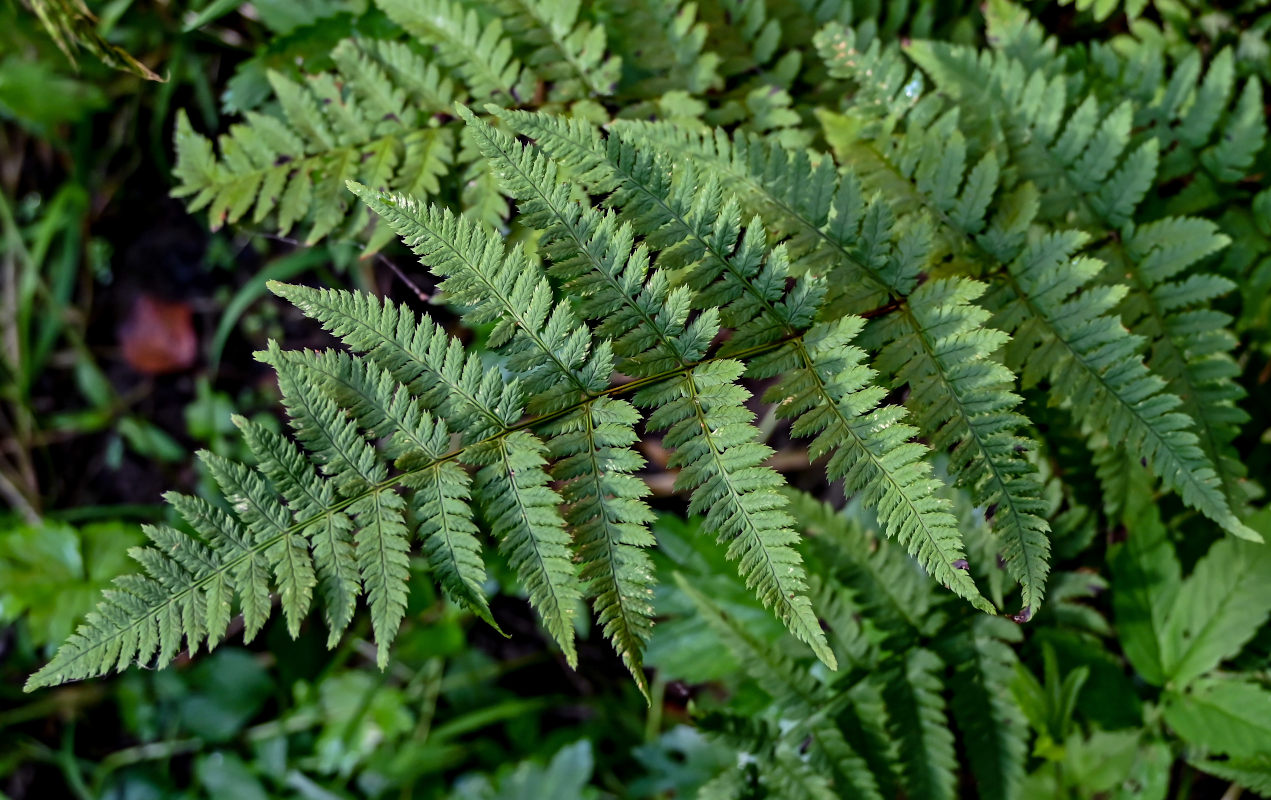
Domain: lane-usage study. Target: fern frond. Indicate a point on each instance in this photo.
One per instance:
(185, 597)
(522, 509)
(550, 349)
(441, 503)
(415, 440)
(361, 122)
(1190, 342)
(883, 579)
(818, 216)
(419, 354)
(916, 711)
(665, 46)
(380, 540)
(511, 484)
(730, 267)
(989, 720)
(1113, 369)
(724, 472)
(827, 392)
(542, 339)
(383, 558)
(266, 519)
(797, 693)
(309, 497)
(1192, 117)
(858, 237)
(610, 519)
(604, 270)
(567, 52)
(939, 344)
(1094, 364)
(721, 464)
(1078, 153)
(472, 47)
(606, 509)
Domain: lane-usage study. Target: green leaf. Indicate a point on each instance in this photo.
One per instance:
(1223, 716)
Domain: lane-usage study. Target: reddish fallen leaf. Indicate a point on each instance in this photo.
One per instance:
(158, 336)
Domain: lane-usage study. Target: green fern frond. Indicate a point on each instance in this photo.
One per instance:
(606, 508)
(568, 53)
(185, 598)
(266, 519)
(940, 346)
(362, 122)
(728, 265)
(559, 367)
(412, 438)
(1076, 153)
(419, 354)
(308, 497)
(522, 509)
(884, 582)
(473, 47)
(1116, 371)
(1192, 117)
(1197, 372)
(995, 731)
(796, 693)
(665, 45)
(828, 395)
(916, 711)
(1190, 342)
(708, 427)
(1094, 364)
(511, 484)
(722, 465)
(610, 519)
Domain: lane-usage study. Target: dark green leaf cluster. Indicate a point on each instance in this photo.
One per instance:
(992, 312)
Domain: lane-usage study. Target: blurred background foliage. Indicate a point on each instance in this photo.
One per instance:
(126, 329)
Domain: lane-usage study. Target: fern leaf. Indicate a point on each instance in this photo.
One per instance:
(939, 344)
(607, 510)
(1190, 343)
(568, 53)
(419, 354)
(476, 49)
(796, 690)
(247, 568)
(382, 547)
(706, 230)
(320, 425)
(610, 520)
(826, 391)
(721, 464)
(144, 619)
(917, 714)
(990, 721)
(365, 121)
(1095, 366)
(521, 507)
(441, 504)
(257, 506)
(731, 479)
(597, 257)
(544, 343)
